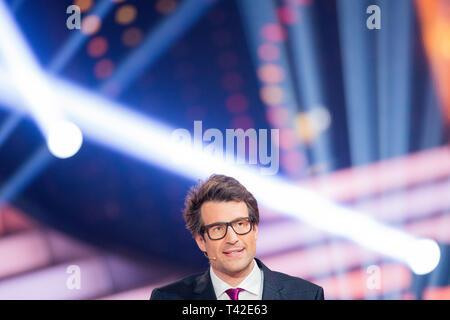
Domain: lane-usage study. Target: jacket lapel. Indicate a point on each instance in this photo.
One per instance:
(203, 288)
(272, 287)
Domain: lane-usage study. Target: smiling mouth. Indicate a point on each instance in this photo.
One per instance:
(234, 253)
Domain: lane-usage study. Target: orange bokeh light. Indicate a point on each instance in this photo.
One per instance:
(126, 14)
(433, 15)
(84, 5)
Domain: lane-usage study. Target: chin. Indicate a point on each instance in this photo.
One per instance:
(238, 266)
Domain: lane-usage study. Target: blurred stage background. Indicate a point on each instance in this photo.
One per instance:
(363, 117)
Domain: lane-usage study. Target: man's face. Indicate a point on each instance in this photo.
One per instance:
(244, 246)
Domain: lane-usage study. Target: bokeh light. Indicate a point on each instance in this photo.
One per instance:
(288, 138)
(311, 124)
(64, 139)
(271, 73)
(97, 47)
(165, 6)
(132, 37)
(293, 162)
(126, 14)
(84, 5)
(288, 15)
(103, 68)
(277, 116)
(440, 42)
(304, 2)
(321, 118)
(268, 52)
(237, 103)
(306, 128)
(272, 95)
(91, 24)
(273, 32)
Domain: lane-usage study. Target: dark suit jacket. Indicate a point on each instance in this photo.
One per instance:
(277, 286)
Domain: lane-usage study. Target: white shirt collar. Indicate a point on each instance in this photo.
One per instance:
(252, 283)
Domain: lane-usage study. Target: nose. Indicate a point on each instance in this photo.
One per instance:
(231, 237)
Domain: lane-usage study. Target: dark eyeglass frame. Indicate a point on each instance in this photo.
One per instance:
(206, 228)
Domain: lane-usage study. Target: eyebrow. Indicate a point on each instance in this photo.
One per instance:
(215, 223)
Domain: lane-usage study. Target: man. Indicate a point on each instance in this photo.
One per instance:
(223, 218)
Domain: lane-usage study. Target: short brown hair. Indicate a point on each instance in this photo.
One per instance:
(218, 188)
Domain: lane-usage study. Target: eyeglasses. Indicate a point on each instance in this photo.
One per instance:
(218, 230)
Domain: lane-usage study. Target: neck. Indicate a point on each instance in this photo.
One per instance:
(234, 279)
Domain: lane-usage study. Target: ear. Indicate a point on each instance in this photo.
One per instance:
(255, 228)
(200, 242)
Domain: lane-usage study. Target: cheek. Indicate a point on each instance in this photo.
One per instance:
(213, 247)
(249, 242)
